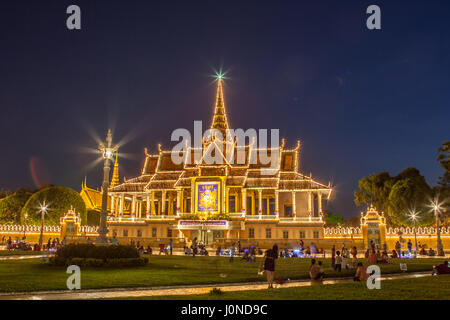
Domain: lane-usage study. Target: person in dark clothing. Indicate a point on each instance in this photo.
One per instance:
(269, 264)
(194, 247)
(442, 268)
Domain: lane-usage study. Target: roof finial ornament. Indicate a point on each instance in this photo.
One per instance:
(220, 121)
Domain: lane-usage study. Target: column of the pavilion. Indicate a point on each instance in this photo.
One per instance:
(277, 193)
(310, 203)
(227, 200)
(244, 201)
(113, 207)
(319, 203)
(170, 205)
(260, 202)
(163, 202)
(133, 206)
(138, 205)
(294, 209)
(121, 205)
(253, 203)
(153, 203)
(136, 211)
(178, 202)
(147, 208)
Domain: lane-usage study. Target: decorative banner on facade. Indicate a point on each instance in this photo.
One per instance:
(208, 197)
(203, 224)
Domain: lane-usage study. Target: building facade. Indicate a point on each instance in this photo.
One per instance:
(221, 202)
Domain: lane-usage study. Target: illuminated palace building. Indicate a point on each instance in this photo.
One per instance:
(218, 203)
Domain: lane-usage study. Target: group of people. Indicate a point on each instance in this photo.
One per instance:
(195, 248)
(340, 258)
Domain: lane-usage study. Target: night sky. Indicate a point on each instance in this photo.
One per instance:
(360, 101)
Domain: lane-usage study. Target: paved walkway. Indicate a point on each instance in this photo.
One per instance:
(178, 290)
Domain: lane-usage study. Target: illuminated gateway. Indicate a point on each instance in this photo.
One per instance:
(218, 204)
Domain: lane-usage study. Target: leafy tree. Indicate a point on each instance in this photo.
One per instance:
(332, 219)
(444, 160)
(59, 200)
(4, 193)
(375, 190)
(93, 218)
(442, 190)
(408, 194)
(395, 195)
(11, 206)
(352, 222)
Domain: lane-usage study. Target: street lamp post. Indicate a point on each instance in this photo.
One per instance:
(439, 246)
(107, 150)
(413, 216)
(25, 225)
(43, 210)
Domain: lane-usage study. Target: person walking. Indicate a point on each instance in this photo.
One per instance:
(269, 264)
(398, 248)
(338, 265)
(232, 252)
(171, 246)
(354, 253)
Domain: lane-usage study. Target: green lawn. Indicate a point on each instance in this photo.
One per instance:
(4, 253)
(35, 275)
(427, 288)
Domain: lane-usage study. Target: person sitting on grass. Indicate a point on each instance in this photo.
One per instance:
(361, 273)
(394, 254)
(321, 272)
(442, 268)
(316, 271)
(384, 257)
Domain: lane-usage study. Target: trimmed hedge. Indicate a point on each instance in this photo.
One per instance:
(89, 255)
(96, 252)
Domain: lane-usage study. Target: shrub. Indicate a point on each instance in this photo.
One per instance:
(97, 263)
(216, 291)
(96, 252)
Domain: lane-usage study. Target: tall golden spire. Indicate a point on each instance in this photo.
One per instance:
(115, 177)
(220, 121)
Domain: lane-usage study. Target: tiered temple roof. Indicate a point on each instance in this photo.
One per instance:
(159, 172)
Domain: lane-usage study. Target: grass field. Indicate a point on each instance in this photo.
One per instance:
(6, 253)
(427, 288)
(36, 275)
